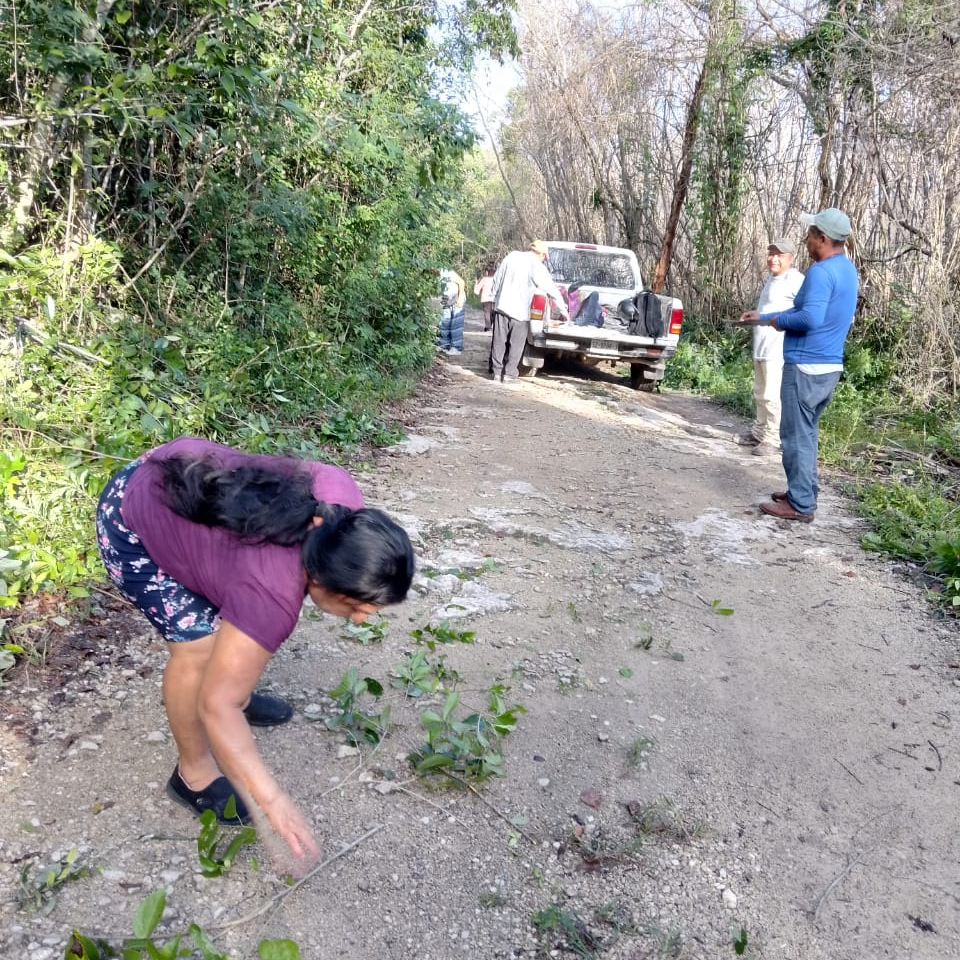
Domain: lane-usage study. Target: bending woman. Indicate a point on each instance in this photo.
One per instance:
(218, 549)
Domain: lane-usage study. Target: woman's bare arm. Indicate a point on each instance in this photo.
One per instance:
(232, 672)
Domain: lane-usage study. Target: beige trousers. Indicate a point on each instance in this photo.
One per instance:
(767, 375)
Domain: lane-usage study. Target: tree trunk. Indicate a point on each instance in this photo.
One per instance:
(682, 184)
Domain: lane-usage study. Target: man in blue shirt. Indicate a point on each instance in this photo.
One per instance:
(815, 330)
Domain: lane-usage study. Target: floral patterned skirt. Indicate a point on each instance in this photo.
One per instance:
(178, 613)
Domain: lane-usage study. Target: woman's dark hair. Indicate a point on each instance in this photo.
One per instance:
(360, 553)
(259, 505)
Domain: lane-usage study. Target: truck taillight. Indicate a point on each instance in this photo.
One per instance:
(538, 306)
(676, 320)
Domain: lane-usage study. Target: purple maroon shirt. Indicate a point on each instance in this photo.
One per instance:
(259, 588)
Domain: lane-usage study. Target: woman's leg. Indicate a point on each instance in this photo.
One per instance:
(181, 689)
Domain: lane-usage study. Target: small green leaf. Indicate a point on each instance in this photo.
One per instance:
(625, 672)
(148, 913)
(88, 950)
(278, 950)
(204, 944)
(434, 762)
(451, 704)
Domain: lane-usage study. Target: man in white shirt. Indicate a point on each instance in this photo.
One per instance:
(521, 274)
(778, 292)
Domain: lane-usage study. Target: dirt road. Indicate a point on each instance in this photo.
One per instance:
(739, 734)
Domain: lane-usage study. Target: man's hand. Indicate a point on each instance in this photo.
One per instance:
(751, 316)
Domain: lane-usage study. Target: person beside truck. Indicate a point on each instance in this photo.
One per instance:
(522, 274)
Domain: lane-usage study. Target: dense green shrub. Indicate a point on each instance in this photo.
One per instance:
(219, 219)
(714, 361)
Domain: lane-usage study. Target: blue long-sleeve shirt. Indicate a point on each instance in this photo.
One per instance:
(816, 327)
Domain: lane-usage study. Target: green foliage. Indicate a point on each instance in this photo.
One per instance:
(357, 725)
(214, 861)
(432, 634)
(7, 660)
(471, 746)
(740, 941)
(372, 630)
(144, 945)
(946, 564)
(37, 892)
(906, 520)
(639, 750)
(417, 675)
(278, 950)
(217, 221)
(714, 360)
(720, 174)
(559, 929)
(662, 818)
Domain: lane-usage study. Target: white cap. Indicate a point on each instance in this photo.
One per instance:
(831, 222)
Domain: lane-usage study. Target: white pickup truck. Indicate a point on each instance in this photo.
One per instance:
(614, 275)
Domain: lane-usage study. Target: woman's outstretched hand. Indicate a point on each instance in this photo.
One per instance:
(291, 826)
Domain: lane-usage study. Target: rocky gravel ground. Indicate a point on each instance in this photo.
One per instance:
(738, 734)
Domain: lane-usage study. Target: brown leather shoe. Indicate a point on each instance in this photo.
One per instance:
(779, 497)
(783, 511)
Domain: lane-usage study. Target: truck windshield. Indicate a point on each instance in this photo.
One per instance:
(592, 268)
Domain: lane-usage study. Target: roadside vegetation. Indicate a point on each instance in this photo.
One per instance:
(216, 219)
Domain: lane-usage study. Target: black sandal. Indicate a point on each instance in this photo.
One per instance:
(264, 711)
(213, 797)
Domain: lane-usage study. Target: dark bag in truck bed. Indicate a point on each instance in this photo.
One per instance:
(652, 317)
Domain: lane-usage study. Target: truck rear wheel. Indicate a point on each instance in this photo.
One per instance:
(638, 381)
